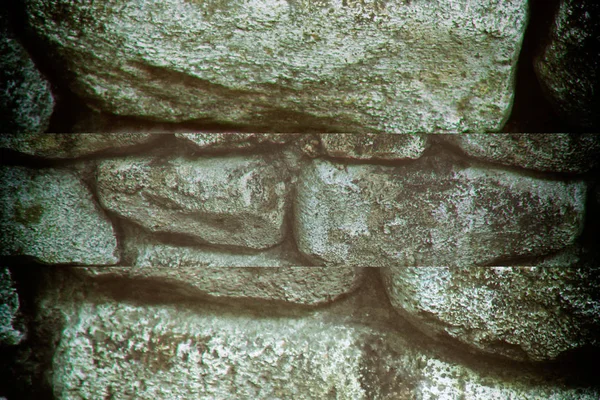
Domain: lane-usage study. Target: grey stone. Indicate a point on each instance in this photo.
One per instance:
(68, 145)
(374, 146)
(9, 308)
(568, 62)
(229, 141)
(26, 101)
(276, 274)
(292, 65)
(431, 212)
(534, 312)
(236, 201)
(559, 152)
(164, 351)
(51, 215)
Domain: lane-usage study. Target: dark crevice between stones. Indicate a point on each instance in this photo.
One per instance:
(26, 369)
(531, 111)
(150, 291)
(158, 145)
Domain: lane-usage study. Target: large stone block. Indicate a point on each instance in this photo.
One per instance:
(70, 145)
(556, 152)
(167, 351)
(51, 215)
(535, 312)
(235, 201)
(26, 101)
(431, 212)
(292, 65)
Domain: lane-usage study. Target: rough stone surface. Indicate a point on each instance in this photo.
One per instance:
(432, 212)
(533, 312)
(64, 145)
(9, 308)
(49, 214)
(374, 146)
(26, 101)
(276, 274)
(568, 63)
(292, 65)
(237, 201)
(165, 351)
(560, 152)
(228, 141)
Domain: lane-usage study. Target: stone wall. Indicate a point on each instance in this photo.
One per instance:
(292, 199)
(197, 265)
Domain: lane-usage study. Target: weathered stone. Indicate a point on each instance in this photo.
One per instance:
(26, 101)
(229, 141)
(292, 65)
(431, 212)
(533, 312)
(568, 63)
(9, 308)
(237, 201)
(560, 152)
(130, 350)
(374, 146)
(275, 274)
(67, 145)
(50, 214)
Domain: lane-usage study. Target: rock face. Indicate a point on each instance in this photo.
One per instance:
(26, 101)
(64, 145)
(49, 214)
(559, 152)
(374, 146)
(531, 312)
(165, 351)
(276, 274)
(233, 141)
(431, 213)
(292, 65)
(567, 66)
(9, 307)
(221, 200)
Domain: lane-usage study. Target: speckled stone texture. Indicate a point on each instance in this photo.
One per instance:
(10, 335)
(231, 201)
(26, 100)
(432, 212)
(535, 312)
(50, 214)
(556, 152)
(568, 63)
(66, 145)
(275, 65)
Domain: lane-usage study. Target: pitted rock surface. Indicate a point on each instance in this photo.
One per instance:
(431, 213)
(279, 65)
(232, 201)
(535, 312)
(49, 214)
(26, 100)
(374, 146)
(557, 152)
(568, 62)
